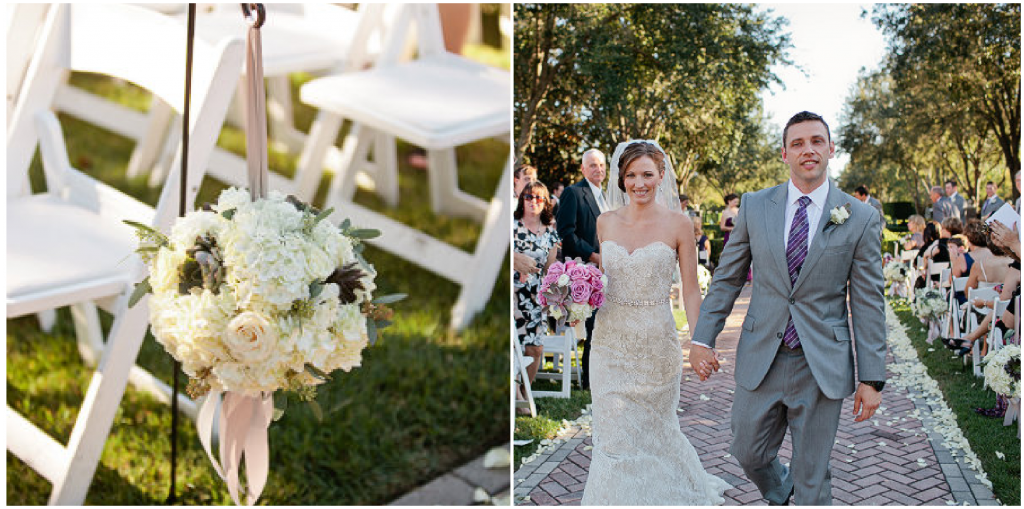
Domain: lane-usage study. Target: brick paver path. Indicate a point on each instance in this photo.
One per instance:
(881, 467)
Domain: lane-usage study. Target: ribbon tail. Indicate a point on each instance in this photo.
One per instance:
(235, 417)
(1012, 411)
(204, 424)
(257, 448)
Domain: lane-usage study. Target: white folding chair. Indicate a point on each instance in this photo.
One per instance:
(561, 348)
(973, 322)
(68, 246)
(955, 317)
(438, 101)
(521, 377)
(935, 270)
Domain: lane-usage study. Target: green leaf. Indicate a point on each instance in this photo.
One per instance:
(317, 411)
(382, 324)
(229, 213)
(390, 299)
(323, 215)
(141, 288)
(280, 404)
(315, 288)
(345, 224)
(311, 369)
(371, 331)
(364, 233)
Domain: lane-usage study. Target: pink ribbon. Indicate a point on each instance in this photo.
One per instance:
(242, 426)
(255, 116)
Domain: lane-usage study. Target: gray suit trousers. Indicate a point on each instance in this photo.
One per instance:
(788, 397)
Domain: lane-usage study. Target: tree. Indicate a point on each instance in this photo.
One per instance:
(966, 56)
(686, 75)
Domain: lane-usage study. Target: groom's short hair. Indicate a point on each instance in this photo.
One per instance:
(804, 116)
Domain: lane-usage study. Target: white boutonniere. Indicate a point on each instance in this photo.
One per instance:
(839, 215)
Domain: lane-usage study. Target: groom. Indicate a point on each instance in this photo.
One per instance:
(794, 361)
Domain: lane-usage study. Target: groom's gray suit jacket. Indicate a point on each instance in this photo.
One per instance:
(841, 259)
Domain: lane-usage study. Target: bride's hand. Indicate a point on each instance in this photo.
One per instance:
(704, 361)
(574, 323)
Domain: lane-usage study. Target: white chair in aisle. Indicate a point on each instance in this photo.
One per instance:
(68, 246)
(438, 101)
(935, 271)
(973, 321)
(561, 348)
(521, 377)
(954, 318)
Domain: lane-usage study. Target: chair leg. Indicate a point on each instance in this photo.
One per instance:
(88, 332)
(47, 319)
(491, 251)
(445, 195)
(279, 109)
(311, 161)
(354, 151)
(385, 155)
(147, 151)
(100, 405)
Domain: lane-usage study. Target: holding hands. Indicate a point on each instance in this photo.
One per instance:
(703, 360)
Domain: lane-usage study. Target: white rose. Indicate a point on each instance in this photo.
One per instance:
(250, 338)
(563, 280)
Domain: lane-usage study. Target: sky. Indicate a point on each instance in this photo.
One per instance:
(831, 43)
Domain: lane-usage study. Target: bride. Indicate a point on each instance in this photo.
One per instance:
(640, 456)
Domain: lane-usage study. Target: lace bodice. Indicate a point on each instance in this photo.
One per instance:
(643, 277)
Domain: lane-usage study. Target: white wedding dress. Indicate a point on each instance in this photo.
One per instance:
(640, 455)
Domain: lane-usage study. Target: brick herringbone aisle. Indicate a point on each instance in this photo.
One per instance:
(873, 462)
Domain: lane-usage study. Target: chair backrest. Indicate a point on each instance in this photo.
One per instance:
(140, 46)
(24, 23)
(960, 283)
(981, 293)
(907, 256)
(429, 37)
(936, 268)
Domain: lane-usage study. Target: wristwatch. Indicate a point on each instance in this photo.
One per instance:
(878, 386)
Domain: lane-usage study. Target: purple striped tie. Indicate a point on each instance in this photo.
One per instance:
(796, 252)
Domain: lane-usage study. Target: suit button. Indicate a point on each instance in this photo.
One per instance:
(792, 301)
(779, 335)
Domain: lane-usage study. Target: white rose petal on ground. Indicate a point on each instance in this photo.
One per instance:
(497, 458)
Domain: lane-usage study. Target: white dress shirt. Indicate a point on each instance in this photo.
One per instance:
(598, 197)
(814, 209)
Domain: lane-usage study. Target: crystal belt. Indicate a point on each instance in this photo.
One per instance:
(638, 303)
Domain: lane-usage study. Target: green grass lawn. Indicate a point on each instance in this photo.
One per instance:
(963, 393)
(425, 400)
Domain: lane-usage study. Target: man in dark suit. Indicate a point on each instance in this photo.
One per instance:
(578, 208)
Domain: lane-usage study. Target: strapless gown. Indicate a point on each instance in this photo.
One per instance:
(640, 455)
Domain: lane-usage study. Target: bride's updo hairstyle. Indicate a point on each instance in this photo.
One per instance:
(635, 151)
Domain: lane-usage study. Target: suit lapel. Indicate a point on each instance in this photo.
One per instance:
(588, 196)
(835, 199)
(775, 225)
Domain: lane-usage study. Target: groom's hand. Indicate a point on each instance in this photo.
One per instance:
(869, 398)
(703, 360)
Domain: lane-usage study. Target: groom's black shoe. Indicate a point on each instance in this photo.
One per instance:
(787, 498)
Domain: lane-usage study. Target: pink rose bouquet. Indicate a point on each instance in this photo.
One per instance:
(571, 291)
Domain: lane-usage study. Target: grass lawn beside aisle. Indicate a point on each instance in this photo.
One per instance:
(424, 401)
(963, 393)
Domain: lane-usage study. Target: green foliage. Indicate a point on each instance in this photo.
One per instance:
(944, 105)
(687, 75)
(550, 413)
